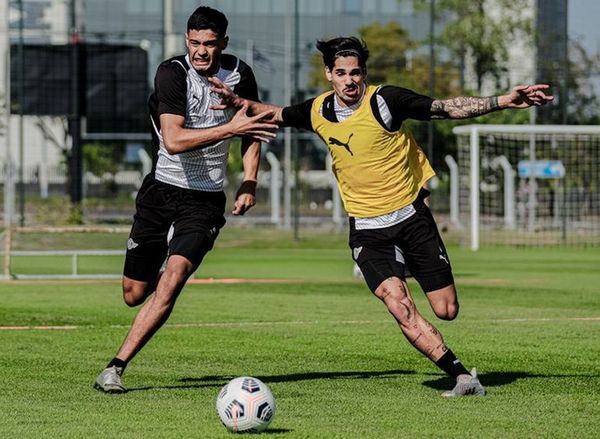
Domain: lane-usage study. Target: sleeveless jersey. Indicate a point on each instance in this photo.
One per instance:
(378, 171)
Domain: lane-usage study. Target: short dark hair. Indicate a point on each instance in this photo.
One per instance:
(343, 46)
(208, 18)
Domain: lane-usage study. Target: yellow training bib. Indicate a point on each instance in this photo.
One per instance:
(377, 171)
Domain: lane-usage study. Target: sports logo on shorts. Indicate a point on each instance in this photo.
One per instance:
(356, 252)
(443, 257)
(131, 244)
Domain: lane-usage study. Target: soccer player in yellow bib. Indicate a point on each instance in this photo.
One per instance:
(381, 172)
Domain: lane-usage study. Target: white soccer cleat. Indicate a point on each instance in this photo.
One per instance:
(109, 381)
(466, 385)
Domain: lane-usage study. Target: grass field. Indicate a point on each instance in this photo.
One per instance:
(334, 359)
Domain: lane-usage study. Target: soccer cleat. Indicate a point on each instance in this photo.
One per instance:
(109, 381)
(466, 385)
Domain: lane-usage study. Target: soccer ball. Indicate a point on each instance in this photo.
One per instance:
(245, 404)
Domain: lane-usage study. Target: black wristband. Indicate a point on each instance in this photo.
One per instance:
(247, 187)
(494, 103)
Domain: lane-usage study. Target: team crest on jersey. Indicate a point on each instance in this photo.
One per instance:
(335, 142)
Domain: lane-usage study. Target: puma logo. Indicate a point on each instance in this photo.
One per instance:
(443, 256)
(336, 142)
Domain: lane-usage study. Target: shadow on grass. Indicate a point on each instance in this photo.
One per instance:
(493, 379)
(441, 382)
(220, 380)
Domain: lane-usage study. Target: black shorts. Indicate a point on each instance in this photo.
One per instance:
(196, 218)
(412, 247)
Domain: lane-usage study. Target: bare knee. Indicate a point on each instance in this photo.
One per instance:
(175, 276)
(135, 292)
(450, 313)
(172, 280)
(444, 302)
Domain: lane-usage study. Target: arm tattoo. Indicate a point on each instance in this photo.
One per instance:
(463, 107)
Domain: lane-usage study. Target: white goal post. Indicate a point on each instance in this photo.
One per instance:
(529, 185)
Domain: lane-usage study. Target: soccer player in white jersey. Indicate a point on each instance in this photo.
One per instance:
(381, 173)
(185, 188)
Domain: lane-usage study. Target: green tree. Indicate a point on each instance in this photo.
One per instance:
(2, 114)
(480, 32)
(100, 159)
(582, 100)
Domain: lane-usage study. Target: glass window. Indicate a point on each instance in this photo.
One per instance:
(353, 7)
(154, 6)
(261, 7)
(280, 8)
(312, 7)
(135, 7)
(371, 7)
(388, 6)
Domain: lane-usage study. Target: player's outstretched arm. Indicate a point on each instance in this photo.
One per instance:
(522, 96)
(229, 99)
(179, 139)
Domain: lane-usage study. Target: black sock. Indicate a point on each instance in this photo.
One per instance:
(451, 365)
(119, 364)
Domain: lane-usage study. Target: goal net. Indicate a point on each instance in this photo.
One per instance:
(528, 185)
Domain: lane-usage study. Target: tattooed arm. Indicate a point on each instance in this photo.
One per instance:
(463, 107)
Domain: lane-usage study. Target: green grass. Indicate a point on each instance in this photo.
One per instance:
(333, 357)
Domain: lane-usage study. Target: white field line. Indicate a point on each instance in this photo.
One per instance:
(298, 322)
(46, 328)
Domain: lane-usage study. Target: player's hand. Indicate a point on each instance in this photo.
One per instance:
(245, 197)
(253, 126)
(243, 203)
(524, 96)
(228, 97)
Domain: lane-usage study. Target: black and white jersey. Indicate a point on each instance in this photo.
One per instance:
(180, 90)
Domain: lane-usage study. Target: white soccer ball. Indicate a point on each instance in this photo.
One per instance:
(245, 404)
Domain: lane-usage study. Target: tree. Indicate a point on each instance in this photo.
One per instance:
(582, 100)
(479, 33)
(3, 114)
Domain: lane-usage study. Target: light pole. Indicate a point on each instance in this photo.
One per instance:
(430, 132)
(21, 94)
(296, 97)
(76, 110)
